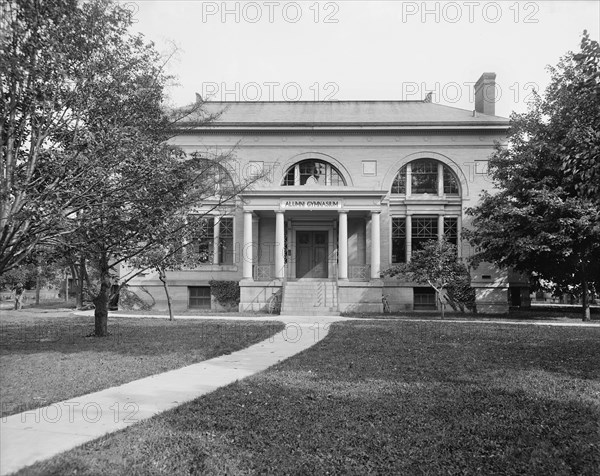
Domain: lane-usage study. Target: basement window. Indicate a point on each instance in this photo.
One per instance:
(424, 299)
(199, 297)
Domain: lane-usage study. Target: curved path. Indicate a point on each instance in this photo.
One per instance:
(44, 432)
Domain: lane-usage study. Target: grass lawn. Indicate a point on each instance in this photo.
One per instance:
(46, 355)
(534, 313)
(61, 304)
(192, 312)
(383, 397)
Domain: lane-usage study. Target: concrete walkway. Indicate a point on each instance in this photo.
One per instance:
(44, 432)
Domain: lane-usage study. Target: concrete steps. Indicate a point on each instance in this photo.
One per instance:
(310, 298)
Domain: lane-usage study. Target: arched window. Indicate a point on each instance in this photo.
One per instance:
(313, 172)
(213, 179)
(427, 176)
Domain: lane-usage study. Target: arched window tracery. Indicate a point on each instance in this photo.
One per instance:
(426, 176)
(313, 172)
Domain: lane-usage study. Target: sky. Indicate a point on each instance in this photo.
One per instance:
(362, 50)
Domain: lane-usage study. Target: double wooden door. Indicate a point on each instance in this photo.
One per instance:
(311, 254)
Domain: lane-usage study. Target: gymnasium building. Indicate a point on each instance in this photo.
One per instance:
(348, 189)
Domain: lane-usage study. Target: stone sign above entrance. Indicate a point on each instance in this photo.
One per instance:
(310, 204)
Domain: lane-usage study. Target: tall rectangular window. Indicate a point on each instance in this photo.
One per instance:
(423, 230)
(399, 240)
(451, 230)
(226, 241)
(203, 243)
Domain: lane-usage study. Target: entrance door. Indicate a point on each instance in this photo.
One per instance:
(311, 254)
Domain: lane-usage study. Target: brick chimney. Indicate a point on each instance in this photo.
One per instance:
(485, 94)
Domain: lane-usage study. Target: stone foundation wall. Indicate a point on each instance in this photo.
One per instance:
(399, 296)
(360, 296)
(492, 300)
(352, 296)
(255, 296)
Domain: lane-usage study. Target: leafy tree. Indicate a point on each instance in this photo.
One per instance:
(61, 62)
(127, 216)
(171, 253)
(437, 265)
(42, 268)
(50, 54)
(172, 245)
(86, 165)
(26, 275)
(460, 294)
(64, 257)
(573, 103)
(545, 219)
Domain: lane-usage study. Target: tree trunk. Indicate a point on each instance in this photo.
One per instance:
(438, 294)
(38, 284)
(86, 276)
(80, 282)
(66, 286)
(585, 301)
(101, 301)
(163, 277)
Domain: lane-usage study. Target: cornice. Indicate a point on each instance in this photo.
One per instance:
(346, 130)
(321, 192)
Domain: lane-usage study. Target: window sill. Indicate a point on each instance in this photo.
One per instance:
(423, 196)
(214, 267)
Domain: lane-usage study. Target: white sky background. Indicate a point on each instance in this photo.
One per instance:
(345, 49)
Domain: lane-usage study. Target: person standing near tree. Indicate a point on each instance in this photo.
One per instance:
(19, 290)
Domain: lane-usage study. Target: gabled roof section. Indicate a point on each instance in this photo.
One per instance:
(365, 115)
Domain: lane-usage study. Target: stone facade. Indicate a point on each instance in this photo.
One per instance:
(349, 188)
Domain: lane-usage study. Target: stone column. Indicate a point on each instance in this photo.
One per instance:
(408, 180)
(375, 245)
(247, 249)
(440, 227)
(291, 257)
(279, 244)
(440, 179)
(216, 238)
(343, 246)
(408, 236)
